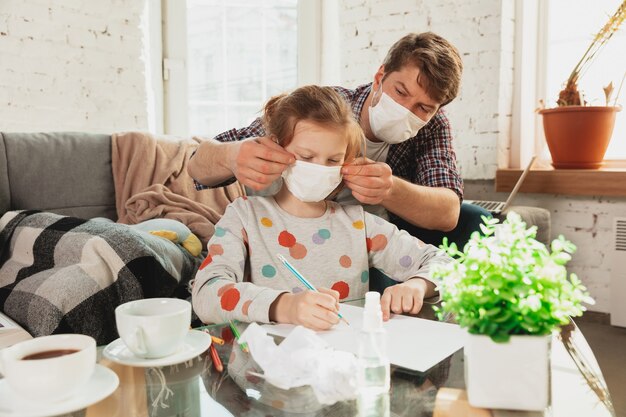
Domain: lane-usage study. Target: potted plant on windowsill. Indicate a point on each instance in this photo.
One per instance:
(578, 134)
(511, 294)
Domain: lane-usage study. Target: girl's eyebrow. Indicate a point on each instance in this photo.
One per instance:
(304, 149)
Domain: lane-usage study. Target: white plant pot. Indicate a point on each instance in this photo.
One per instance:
(513, 375)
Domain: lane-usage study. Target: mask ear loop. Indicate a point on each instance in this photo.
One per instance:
(378, 92)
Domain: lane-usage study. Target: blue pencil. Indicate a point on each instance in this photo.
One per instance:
(302, 279)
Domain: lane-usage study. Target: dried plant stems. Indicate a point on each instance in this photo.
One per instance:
(570, 95)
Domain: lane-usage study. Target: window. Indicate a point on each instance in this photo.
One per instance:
(553, 35)
(572, 24)
(225, 58)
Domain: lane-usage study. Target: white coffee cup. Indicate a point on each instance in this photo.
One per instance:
(50, 379)
(153, 327)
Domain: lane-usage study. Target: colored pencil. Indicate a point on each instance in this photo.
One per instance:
(302, 279)
(244, 346)
(217, 362)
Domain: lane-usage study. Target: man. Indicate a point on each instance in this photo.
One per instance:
(409, 175)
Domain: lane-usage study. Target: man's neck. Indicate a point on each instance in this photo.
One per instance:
(299, 208)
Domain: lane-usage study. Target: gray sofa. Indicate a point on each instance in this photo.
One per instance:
(65, 173)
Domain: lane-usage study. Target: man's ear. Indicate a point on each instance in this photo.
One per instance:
(378, 77)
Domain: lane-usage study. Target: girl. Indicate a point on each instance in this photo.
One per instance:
(333, 246)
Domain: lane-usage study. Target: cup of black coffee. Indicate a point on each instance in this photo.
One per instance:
(49, 368)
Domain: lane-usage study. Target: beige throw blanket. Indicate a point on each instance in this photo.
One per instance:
(151, 181)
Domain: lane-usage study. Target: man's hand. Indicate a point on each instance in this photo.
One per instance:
(369, 181)
(258, 162)
(315, 310)
(407, 297)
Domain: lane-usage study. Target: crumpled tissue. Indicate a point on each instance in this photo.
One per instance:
(303, 358)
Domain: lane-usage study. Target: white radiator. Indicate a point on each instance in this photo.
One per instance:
(618, 273)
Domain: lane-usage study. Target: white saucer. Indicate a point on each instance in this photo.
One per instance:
(102, 384)
(195, 343)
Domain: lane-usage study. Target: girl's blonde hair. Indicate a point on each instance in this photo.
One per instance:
(321, 105)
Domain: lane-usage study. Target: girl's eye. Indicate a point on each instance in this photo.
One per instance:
(333, 161)
(305, 158)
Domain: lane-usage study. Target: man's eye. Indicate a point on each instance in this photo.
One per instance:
(399, 92)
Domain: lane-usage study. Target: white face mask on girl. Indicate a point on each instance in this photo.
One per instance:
(310, 182)
(392, 122)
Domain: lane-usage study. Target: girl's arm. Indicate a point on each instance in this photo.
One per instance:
(220, 291)
(403, 258)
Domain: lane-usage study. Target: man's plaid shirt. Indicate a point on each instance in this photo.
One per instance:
(425, 159)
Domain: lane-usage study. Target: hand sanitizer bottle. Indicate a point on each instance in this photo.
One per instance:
(373, 378)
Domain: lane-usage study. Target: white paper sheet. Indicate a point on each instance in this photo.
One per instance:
(413, 343)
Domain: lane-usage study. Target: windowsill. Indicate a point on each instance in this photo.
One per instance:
(610, 180)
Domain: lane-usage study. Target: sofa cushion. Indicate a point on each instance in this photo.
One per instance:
(65, 173)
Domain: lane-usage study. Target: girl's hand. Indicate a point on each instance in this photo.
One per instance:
(315, 310)
(407, 297)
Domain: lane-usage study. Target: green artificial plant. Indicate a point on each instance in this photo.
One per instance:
(509, 283)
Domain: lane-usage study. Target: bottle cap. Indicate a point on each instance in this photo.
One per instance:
(372, 314)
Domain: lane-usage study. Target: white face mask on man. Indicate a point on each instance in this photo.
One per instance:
(391, 122)
(311, 182)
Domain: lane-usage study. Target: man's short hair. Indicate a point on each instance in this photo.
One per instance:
(437, 59)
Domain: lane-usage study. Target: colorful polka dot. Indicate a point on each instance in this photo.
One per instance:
(342, 288)
(227, 334)
(368, 244)
(379, 242)
(324, 233)
(296, 290)
(317, 239)
(216, 250)
(230, 299)
(224, 289)
(268, 271)
(286, 239)
(345, 261)
(358, 224)
(219, 232)
(321, 236)
(253, 379)
(206, 261)
(297, 251)
(278, 404)
(365, 276)
(246, 307)
(406, 261)
(266, 222)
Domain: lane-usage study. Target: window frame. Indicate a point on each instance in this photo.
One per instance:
(527, 136)
(174, 58)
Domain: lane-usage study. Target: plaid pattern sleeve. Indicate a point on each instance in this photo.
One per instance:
(428, 158)
(255, 129)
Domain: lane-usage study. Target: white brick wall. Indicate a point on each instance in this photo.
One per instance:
(481, 115)
(483, 31)
(72, 65)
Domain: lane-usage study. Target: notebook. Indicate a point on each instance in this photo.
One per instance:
(497, 207)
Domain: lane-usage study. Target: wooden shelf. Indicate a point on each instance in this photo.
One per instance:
(610, 180)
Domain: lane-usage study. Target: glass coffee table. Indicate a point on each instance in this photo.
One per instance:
(195, 388)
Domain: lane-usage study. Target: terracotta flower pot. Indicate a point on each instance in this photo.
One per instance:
(578, 136)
